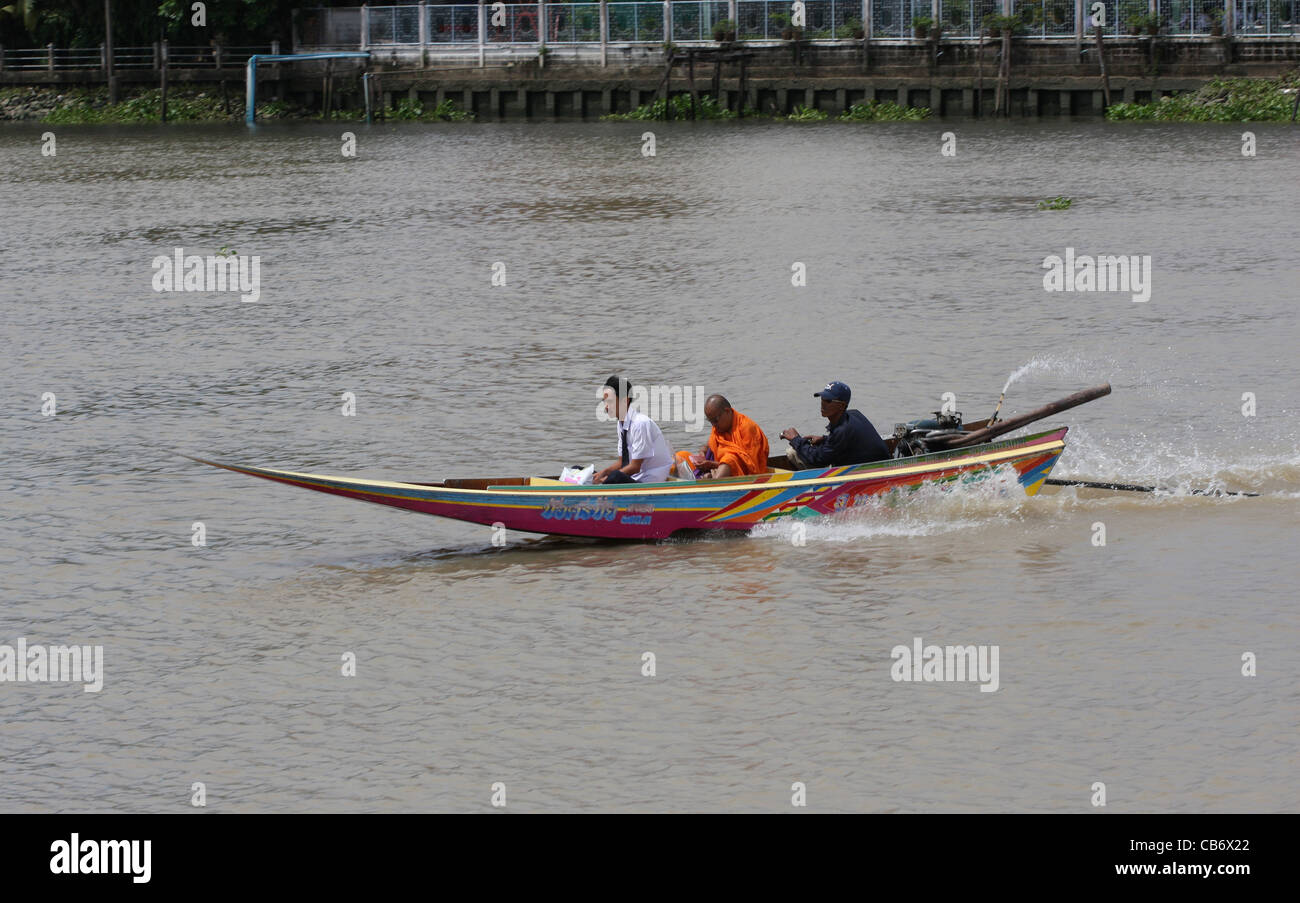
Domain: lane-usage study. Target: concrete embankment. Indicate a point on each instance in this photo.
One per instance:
(951, 78)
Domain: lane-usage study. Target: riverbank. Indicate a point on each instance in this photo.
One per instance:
(1224, 100)
(1221, 100)
(90, 106)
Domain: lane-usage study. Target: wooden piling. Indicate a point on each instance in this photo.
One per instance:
(979, 77)
(1004, 76)
(162, 83)
(740, 107)
(326, 88)
(690, 75)
(1101, 61)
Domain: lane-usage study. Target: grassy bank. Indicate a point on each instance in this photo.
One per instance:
(82, 106)
(1225, 100)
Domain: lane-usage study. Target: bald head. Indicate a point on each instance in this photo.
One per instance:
(717, 410)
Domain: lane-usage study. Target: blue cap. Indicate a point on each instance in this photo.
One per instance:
(834, 391)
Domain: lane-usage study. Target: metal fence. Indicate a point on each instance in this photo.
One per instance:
(695, 21)
(394, 25)
(964, 18)
(1046, 18)
(61, 59)
(646, 21)
(770, 20)
(636, 22)
(1120, 16)
(1267, 18)
(453, 24)
(894, 18)
(514, 23)
(572, 23)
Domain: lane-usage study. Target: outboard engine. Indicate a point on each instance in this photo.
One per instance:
(917, 436)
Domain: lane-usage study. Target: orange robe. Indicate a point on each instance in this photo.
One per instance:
(744, 449)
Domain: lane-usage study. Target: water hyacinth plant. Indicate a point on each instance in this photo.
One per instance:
(883, 111)
(1222, 100)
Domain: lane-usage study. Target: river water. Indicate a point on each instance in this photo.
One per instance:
(523, 664)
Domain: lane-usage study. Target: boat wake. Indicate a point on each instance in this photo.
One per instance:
(931, 509)
(1177, 465)
(1177, 453)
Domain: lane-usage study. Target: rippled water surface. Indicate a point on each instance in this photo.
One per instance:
(523, 664)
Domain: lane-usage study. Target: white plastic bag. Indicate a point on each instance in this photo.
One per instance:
(580, 476)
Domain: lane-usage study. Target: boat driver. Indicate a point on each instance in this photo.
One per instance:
(850, 438)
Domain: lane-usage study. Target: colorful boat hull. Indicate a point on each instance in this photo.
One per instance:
(657, 511)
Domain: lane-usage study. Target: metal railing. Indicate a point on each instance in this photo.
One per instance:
(453, 24)
(394, 25)
(573, 23)
(965, 18)
(1267, 18)
(1184, 17)
(54, 59)
(893, 18)
(516, 23)
(695, 21)
(655, 22)
(636, 23)
(1120, 16)
(1046, 18)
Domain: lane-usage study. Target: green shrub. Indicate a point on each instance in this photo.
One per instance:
(1222, 100)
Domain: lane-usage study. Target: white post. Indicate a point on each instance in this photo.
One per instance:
(482, 31)
(541, 24)
(365, 27)
(668, 21)
(866, 17)
(422, 32)
(604, 33)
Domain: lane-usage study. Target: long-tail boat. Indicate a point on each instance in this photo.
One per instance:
(940, 451)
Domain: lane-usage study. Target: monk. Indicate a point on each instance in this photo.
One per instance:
(737, 443)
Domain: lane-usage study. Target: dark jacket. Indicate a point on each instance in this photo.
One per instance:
(851, 441)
